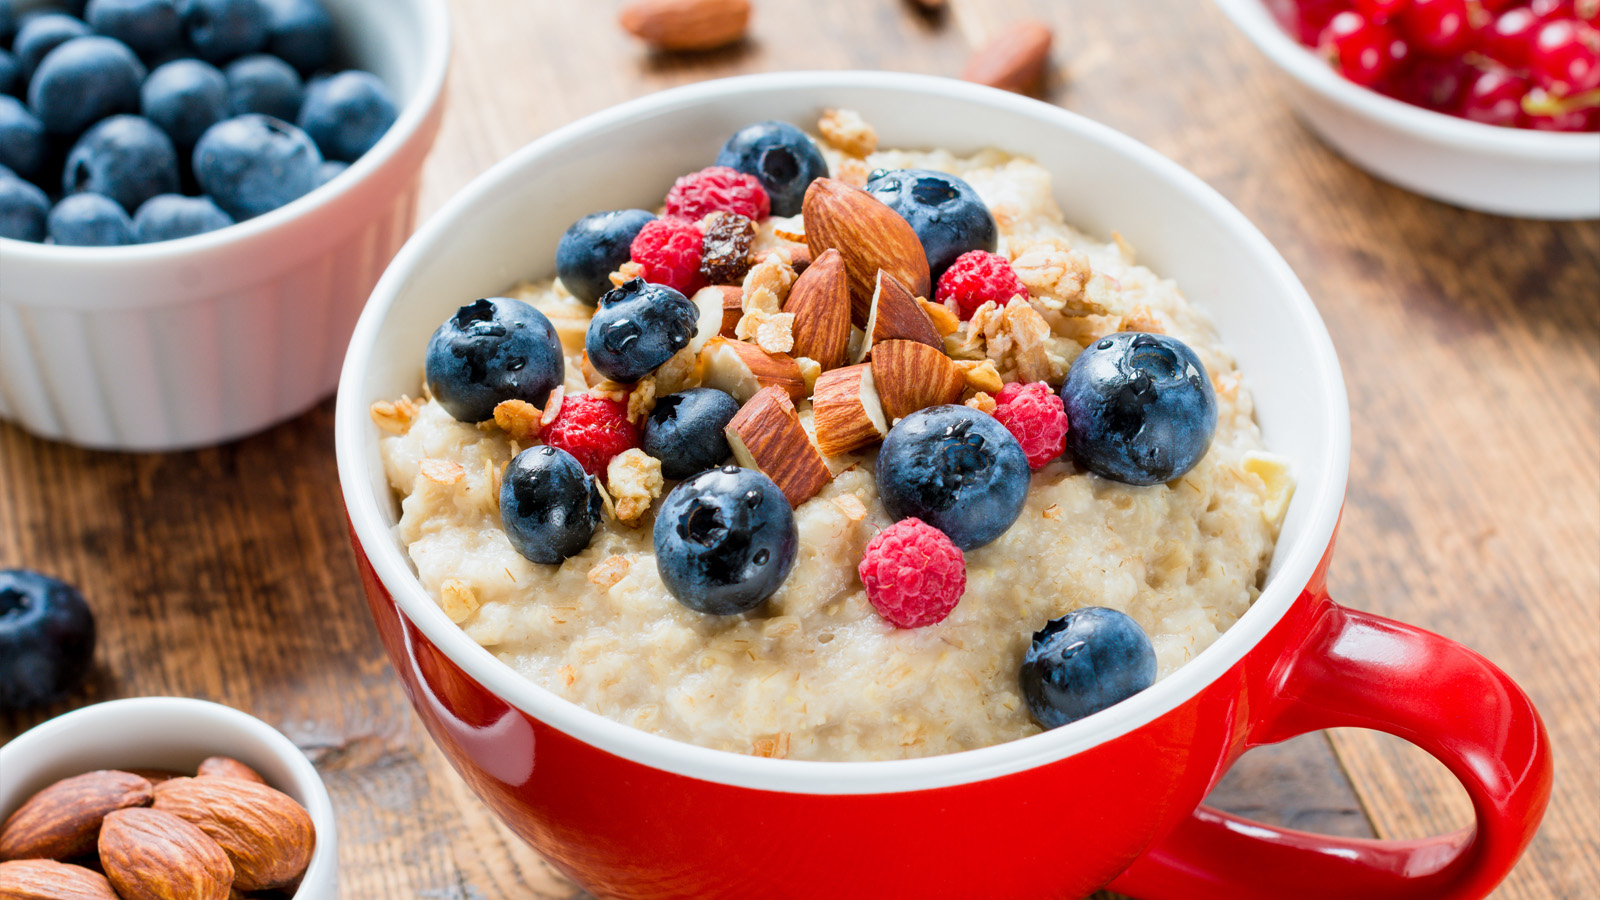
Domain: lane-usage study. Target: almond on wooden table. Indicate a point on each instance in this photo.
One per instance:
(46, 879)
(686, 24)
(1015, 59)
(267, 836)
(149, 854)
(62, 820)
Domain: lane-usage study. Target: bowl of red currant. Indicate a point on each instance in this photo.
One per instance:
(1492, 105)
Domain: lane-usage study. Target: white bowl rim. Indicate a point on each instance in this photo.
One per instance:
(1256, 21)
(1296, 564)
(430, 90)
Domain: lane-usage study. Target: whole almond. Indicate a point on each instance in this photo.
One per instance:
(153, 855)
(1014, 60)
(62, 820)
(228, 767)
(820, 303)
(686, 24)
(267, 835)
(46, 879)
(869, 235)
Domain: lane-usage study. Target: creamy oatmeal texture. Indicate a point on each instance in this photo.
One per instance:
(816, 673)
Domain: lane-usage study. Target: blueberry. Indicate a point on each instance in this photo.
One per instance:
(549, 505)
(253, 164)
(1088, 660)
(220, 30)
(264, 84)
(493, 350)
(638, 327)
(83, 81)
(8, 22)
(23, 208)
(946, 213)
(168, 217)
(301, 34)
(148, 27)
(957, 469)
(126, 158)
(329, 170)
(593, 248)
(22, 141)
(46, 639)
(781, 157)
(685, 431)
(1141, 408)
(185, 97)
(347, 113)
(89, 220)
(42, 33)
(10, 74)
(725, 540)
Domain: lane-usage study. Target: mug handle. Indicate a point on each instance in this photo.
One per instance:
(1357, 670)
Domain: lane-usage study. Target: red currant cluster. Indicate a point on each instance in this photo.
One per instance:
(1519, 63)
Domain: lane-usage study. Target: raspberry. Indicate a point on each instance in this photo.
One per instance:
(913, 574)
(593, 429)
(1036, 417)
(669, 252)
(717, 189)
(977, 277)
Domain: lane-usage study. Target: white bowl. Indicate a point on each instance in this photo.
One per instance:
(172, 733)
(208, 338)
(1509, 171)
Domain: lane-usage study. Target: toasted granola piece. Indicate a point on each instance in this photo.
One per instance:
(854, 172)
(442, 471)
(457, 599)
(519, 419)
(394, 416)
(609, 571)
(625, 273)
(774, 747)
(767, 284)
(1142, 318)
(1058, 277)
(851, 506)
(680, 372)
(809, 370)
(772, 332)
(944, 318)
(846, 130)
(641, 400)
(725, 251)
(1014, 338)
(984, 403)
(633, 479)
(981, 375)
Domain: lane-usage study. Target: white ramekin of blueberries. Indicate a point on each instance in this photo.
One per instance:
(196, 197)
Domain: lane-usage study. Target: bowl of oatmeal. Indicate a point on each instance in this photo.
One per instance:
(635, 712)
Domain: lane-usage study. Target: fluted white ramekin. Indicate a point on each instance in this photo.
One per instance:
(208, 338)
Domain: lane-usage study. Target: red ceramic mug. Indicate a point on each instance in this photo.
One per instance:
(1113, 799)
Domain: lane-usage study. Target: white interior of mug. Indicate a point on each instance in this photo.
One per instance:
(505, 226)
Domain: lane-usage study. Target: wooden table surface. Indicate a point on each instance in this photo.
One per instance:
(1471, 347)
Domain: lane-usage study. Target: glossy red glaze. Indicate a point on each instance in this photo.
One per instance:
(623, 829)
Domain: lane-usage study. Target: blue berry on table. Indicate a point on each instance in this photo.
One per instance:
(40, 34)
(83, 81)
(957, 469)
(593, 247)
(782, 157)
(10, 74)
(549, 505)
(126, 158)
(347, 113)
(22, 140)
(636, 328)
(23, 208)
(185, 97)
(725, 540)
(685, 431)
(1141, 408)
(301, 34)
(253, 164)
(1086, 661)
(89, 220)
(171, 216)
(46, 639)
(221, 30)
(148, 27)
(264, 84)
(946, 213)
(489, 351)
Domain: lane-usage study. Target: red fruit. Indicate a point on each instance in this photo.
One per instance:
(913, 574)
(1362, 50)
(717, 189)
(1570, 121)
(977, 277)
(1036, 417)
(1566, 57)
(1509, 38)
(1435, 84)
(1306, 19)
(1438, 27)
(1495, 6)
(1495, 98)
(669, 251)
(593, 429)
(1380, 10)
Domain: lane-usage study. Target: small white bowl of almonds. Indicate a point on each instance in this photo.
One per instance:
(162, 797)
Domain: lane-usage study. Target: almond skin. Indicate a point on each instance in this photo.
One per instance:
(267, 835)
(820, 302)
(909, 376)
(846, 410)
(686, 24)
(1013, 60)
(766, 435)
(153, 855)
(62, 820)
(897, 315)
(228, 767)
(46, 879)
(869, 235)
